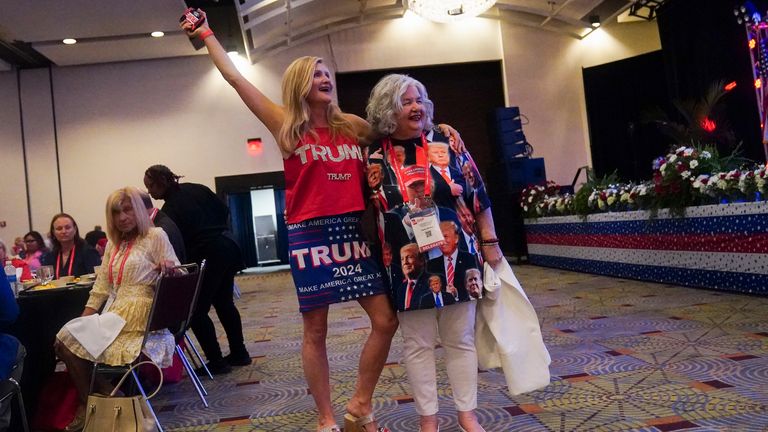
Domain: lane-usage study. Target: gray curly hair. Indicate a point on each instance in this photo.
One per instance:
(384, 103)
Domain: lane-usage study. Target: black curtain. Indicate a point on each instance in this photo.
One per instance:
(282, 230)
(463, 93)
(242, 225)
(618, 94)
(702, 44)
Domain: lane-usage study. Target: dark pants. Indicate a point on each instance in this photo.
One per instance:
(223, 261)
(5, 387)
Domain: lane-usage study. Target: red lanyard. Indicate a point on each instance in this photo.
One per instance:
(71, 261)
(122, 264)
(152, 214)
(421, 156)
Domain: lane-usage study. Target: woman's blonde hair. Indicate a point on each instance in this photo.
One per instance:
(297, 82)
(114, 205)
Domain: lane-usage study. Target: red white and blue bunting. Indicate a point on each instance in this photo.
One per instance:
(719, 246)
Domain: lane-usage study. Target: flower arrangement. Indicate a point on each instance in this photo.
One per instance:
(672, 174)
(686, 176)
(541, 200)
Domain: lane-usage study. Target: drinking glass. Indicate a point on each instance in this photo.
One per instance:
(45, 274)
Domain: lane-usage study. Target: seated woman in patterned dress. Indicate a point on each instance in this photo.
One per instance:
(135, 256)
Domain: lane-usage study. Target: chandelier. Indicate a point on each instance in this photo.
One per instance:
(449, 10)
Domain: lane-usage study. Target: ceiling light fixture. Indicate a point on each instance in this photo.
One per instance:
(449, 10)
(646, 9)
(594, 21)
(69, 41)
(157, 34)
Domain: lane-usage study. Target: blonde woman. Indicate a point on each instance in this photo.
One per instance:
(135, 256)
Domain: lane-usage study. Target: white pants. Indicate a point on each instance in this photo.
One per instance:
(456, 326)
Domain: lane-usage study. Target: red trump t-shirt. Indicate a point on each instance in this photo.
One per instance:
(324, 177)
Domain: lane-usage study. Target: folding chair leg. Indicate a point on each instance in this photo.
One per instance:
(194, 361)
(236, 291)
(193, 376)
(143, 393)
(20, 399)
(197, 353)
(190, 371)
(94, 367)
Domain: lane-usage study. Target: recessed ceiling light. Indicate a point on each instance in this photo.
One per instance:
(69, 41)
(157, 34)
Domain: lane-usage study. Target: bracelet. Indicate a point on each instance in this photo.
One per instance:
(489, 242)
(205, 34)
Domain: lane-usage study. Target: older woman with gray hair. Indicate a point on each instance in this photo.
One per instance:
(426, 175)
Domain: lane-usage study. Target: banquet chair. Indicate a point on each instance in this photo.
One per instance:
(172, 308)
(10, 388)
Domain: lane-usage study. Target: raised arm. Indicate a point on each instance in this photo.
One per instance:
(268, 112)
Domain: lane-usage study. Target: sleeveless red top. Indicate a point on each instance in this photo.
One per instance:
(324, 178)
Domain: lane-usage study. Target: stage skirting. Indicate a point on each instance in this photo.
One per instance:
(722, 247)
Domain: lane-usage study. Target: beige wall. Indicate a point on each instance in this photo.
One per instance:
(543, 77)
(13, 195)
(114, 120)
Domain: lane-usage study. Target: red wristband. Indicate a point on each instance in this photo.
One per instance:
(205, 34)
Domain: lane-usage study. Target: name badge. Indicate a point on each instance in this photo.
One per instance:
(426, 228)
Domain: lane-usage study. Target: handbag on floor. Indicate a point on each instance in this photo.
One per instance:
(120, 413)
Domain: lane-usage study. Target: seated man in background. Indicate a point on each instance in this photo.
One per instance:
(93, 237)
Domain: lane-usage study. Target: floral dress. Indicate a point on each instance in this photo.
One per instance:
(128, 291)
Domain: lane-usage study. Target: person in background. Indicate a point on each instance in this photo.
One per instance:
(26, 274)
(36, 250)
(19, 249)
(70, 255)
(125, 287)
(203, 220)
(399, 108)
(93, 237)
(161, 220)
(11, 351)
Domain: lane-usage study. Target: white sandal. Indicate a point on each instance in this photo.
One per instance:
(357, 424)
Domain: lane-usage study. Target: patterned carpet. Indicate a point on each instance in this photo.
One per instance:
(626, 356)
